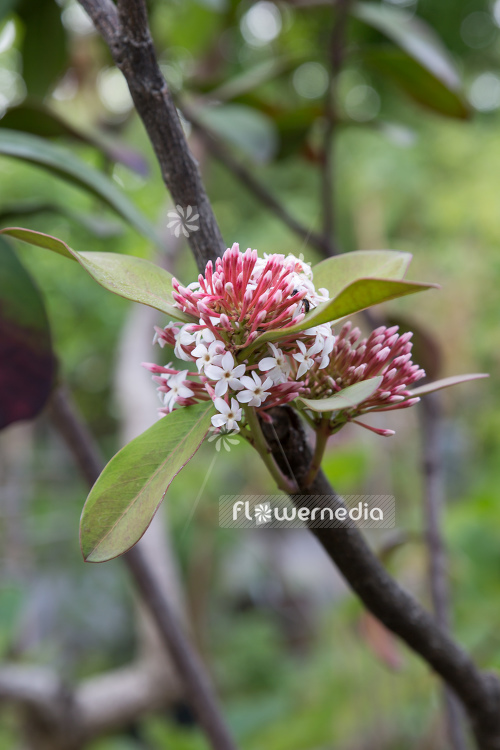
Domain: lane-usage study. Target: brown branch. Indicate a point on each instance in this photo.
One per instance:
(62, 717)
(385, 598)
(337, 45)
(480, 692)
(126, 31)
(432, 471)
(191, 671)
(52, 719)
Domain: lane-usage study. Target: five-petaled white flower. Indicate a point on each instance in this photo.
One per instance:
(225, 375)
(277, 367)
(229, 415)
(177, 389)
(306, 356)
(185, 338)
(255, 390)
(211, 355)
(326, 338)
(204, 335)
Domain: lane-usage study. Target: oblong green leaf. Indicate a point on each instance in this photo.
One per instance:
(42, 22)
(417, 81)
(253, 77)
(123, 501)
(355, 297)
(27, 362)
(245, 127)
(36, 117)
(413, 35)
(346, 398)
(336, 273)
(65, 164)
(130, 277)
(437, 385)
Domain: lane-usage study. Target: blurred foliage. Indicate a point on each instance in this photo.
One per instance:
(407, 178)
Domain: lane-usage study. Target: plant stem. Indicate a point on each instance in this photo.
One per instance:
(262, 448)
(322, 435)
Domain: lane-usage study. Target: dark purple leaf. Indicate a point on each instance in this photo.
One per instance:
(27, 363)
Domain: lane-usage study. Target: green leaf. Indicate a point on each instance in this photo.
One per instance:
(96, 224)
(6, 6)
(253, 77)
(245, 127)
(412, 35)
(27, 363)
(346, 398)
(64, 164)
(133, 278)
(437, 385)
(38, 118)
(337, 272)
(123, 501)
(45, 49)
(355, 297)
(417, 81)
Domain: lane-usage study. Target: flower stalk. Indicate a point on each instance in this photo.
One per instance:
(259, 443)
(323, 432)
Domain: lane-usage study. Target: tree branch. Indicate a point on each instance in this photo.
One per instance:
(337, 43)
(480, 692)
(384, 597)
(432, 471)
(192, 672)
(127, 34)
(53, 719)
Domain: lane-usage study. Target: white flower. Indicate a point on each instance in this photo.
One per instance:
(211, 355)
(204, 336)
(229, 415)
(183, 338)
(177, 389)
(225, 375)
(306, 357)
(255, 390)
(326, 339)
(328, 345)
(277, 367)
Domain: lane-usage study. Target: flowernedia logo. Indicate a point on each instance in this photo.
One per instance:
(183, 220)
(282, 511)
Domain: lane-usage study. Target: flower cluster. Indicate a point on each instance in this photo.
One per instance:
(353, 359)
(245, 296)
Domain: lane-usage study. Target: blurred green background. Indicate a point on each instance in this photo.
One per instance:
(296, 662)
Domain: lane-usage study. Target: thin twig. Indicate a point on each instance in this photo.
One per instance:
(432, 471)
(262, 448)
(337, 46)
(220, 152)
(193, 674)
